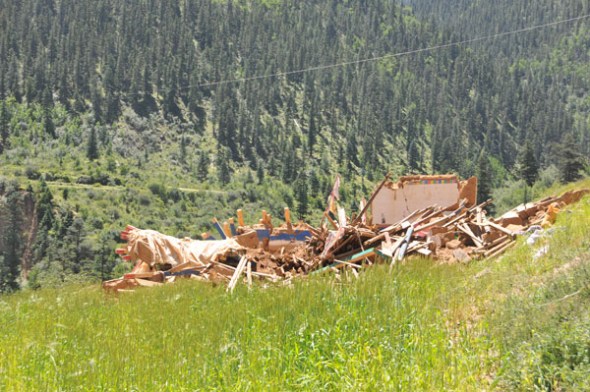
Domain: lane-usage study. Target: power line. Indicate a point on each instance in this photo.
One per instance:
(392, 55)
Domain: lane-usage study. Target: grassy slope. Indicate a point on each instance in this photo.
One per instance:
(500, 324)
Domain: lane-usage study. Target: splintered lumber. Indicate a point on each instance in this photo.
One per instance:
(344, 244)
(465, 229)
(355, 258)
(147, 283)
(498, 227)
(430, 213)
(405, 244)
(389, 249)
(332, 221)
(237, 273)
(292, 250)
(348, 264)
(500, 249)
(249, 274)
(361, 256)
(219, 228)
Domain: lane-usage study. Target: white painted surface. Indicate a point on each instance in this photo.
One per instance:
(392, 205)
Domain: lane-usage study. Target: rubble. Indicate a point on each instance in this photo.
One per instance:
(458, 232)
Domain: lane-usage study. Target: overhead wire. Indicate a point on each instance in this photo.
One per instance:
(387, 56)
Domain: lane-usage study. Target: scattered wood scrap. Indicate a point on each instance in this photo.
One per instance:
(280, 253)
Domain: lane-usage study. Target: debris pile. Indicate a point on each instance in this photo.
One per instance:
(457, 233)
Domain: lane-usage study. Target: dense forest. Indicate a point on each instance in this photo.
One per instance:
(163, 114)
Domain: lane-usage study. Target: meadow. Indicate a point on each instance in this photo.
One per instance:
(520, 322)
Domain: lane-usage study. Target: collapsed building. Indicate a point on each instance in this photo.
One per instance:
(397, 200)
(431, 216)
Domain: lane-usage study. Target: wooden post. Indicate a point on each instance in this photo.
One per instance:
(232, 227)
(227, 230)
(240, 214)
(219, 229)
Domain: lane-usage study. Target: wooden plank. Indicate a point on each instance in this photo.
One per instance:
(348, 264)
(498, 227)
(249, 274)
(501, 249)
(465, 229)
(436, 211)
(147, 283)
(348, 260)
(404, 246)
(460, 216)
(237, 273)
(497, 241)
(344, 243)
(437, 222)
(390, 250)
(360, 256)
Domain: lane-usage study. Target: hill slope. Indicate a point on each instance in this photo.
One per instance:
(519, 322)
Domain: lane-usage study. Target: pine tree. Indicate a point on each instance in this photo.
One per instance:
(260, 173)
(528, 168)
(223, 169)
(183, 144)
(48, 125)
(4, 120)
(203, 166)
(484, 179)
(92, 148)
(10, 262)
(45, 203)
(570, 160)
(302, 197)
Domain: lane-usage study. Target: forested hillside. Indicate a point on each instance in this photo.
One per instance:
(162, 114)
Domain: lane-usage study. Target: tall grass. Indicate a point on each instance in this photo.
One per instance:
(421, 326)
(384, 331)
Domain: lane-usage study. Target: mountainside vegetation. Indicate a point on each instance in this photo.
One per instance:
(163, 114)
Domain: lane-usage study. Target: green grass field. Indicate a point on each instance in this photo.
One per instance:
(514, 323)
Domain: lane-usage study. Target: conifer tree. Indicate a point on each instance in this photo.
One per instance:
(3, 126)
(570, 160)
(92, 148)
(48, 125)
(302, 197)
(223, 169)
(528, 168)
(10, 261)
(203, 166)
(484, 178)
